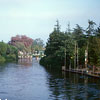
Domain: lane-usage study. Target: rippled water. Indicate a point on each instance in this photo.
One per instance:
(27, 80)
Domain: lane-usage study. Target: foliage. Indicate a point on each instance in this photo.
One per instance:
(8, 52)
(90, 29)
(53, 48)
(60, 47)
(37, 45)
(94, 50)
(2, 59)
(22, 43)
(11, 57)
(22, 39)
(3, 48)
(58, 44)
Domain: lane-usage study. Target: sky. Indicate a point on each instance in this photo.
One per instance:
(36, 18)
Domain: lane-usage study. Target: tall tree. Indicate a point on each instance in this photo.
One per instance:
(90, 29)
(58, 48)
(98, 31)
(37, 45)
(94, 51)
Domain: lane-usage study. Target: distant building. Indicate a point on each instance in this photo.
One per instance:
(24, 55)
(38, 53)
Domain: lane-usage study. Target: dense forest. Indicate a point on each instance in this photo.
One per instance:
(72, 47)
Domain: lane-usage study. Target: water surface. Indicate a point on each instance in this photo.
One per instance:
(27, 80)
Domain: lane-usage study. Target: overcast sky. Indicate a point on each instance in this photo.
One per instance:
(36, 18)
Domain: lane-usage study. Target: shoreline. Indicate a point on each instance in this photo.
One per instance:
(83, 72)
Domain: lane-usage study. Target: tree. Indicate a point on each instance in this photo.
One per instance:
(23, 43)
(58, 47)
(79, 36)
(37, 45)
(70, 47)
(90, 29)
(3, 48)
(98, 31)
(81, 41)
(94, 51)
(8, 52)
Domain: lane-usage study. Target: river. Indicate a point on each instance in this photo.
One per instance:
(27, 80)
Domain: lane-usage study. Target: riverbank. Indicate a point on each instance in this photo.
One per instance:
(83, 71)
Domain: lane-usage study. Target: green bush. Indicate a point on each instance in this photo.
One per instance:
(50, 62)
(11, 57)
(2, 59)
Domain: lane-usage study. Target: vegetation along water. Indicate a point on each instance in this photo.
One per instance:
(75, 48)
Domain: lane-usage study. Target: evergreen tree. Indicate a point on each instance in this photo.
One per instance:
(90, 29)
(69, 47)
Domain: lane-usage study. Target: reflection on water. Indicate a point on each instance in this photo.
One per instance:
(25, 62)
(68, 86)
(27, 80)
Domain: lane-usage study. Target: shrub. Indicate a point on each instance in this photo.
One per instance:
(2, 59)
(11, 57)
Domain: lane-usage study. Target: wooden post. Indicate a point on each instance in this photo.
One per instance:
(86, 56)
(86, 59)
(65, 56)
(70, 64)
(75, 56)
